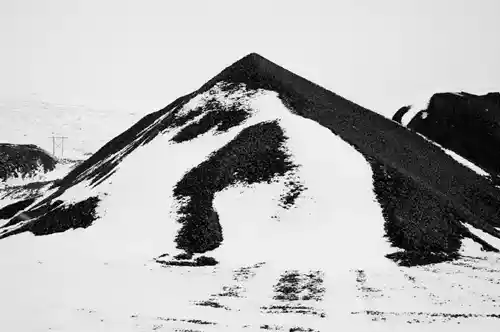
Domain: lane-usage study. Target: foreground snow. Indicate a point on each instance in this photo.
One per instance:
(318, 265)
(45, 288)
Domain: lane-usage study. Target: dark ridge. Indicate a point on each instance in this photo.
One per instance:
(10, 211)
(216, 116)
(466, 124)
(23, 159)
(100, 180)
(398, 117)
(425, 226)
(255, 155)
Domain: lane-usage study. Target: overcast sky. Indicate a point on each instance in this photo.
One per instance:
(141, 55)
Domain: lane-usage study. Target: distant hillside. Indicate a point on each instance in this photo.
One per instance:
(465, 123)
(24, 161)
(33, 122)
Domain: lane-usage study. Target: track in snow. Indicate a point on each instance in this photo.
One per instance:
(259, 297)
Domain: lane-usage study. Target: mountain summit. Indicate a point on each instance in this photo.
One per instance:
(261, 167)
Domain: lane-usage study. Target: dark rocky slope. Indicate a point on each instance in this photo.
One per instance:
(426, 195)
(465, 123)
(25, 160)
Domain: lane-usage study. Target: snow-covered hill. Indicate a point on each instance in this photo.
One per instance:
(259, 202)
(35, 122)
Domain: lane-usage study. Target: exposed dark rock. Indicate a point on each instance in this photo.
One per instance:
(398, 117)
(418, 220)
(57, 217)
(255, 155)
(10, 211)
(217, 116)
(23, 159)
(466, 124)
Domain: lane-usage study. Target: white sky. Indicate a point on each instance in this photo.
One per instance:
(141, 55)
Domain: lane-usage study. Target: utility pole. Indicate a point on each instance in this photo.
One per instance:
(55, 144)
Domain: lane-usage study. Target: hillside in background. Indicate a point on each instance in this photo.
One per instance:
(260, 201)
(34, 122)
(24, 162)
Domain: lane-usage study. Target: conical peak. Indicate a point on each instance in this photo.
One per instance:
(252, 60)
(250, 69)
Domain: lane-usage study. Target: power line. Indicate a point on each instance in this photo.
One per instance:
(58, 142)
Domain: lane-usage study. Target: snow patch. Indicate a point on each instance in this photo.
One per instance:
(458, 158)
(475, 249)
(416, 107)
(225, 93)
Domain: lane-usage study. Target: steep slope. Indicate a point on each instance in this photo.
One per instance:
(465, 123)
(296, 195)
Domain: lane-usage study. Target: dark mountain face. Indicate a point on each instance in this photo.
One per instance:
(466, 124)
(24, 160)
(427, 198)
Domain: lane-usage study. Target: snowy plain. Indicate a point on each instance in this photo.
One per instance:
(105, 277)
(35, 122)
